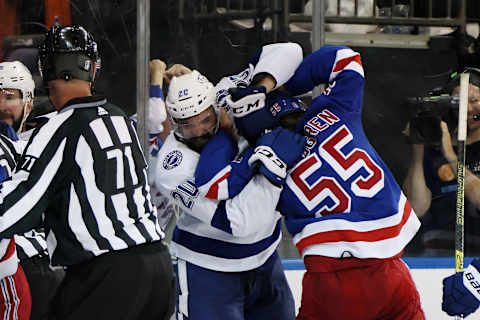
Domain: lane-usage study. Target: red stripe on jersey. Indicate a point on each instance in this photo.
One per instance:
(10, 250)
(353, 236)
(341, 64)
(213, 190)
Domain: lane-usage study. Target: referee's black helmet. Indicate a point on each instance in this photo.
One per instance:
(68, 52)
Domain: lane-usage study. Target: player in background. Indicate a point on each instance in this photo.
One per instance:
(349, 218)
(16, 102)
(15, 298)
(159, 128)
(226, 268)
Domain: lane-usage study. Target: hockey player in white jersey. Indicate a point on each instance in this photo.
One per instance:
(158, 128)
(228, 267)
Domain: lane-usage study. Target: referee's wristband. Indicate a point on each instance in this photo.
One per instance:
(156, 92)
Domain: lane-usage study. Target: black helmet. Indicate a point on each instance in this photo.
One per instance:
(68, 52)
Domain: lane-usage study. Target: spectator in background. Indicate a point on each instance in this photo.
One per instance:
(16, 101)
(431, 181)
(461, 295)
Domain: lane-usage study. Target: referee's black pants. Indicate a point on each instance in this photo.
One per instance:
(135, 283)
(43, 282)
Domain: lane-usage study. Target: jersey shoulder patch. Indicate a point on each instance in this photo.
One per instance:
(172, 159)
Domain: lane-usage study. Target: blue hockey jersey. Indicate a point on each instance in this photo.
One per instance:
(341, 199)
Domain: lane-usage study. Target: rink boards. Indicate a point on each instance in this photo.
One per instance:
(426, 272)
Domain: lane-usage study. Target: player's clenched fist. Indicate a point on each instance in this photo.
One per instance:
(157, 71)
(176, 70)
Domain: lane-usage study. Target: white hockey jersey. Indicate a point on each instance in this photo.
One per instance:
(216, 233)
(253, 231)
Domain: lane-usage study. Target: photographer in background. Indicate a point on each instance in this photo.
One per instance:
(431, 180)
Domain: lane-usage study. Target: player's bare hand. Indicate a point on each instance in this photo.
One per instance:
(157, 71)
(175, 71)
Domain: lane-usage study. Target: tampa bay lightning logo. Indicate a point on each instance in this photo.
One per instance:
(172, 160)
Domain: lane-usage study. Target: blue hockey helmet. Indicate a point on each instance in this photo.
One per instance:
(285, 110)
(280, 110)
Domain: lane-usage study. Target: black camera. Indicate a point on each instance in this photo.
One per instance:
(427, 112)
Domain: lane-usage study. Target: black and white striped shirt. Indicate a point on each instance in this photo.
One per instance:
(84, 174)
(31, 243)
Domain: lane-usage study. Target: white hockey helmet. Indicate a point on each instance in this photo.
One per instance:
(189, 94)
(14, 75)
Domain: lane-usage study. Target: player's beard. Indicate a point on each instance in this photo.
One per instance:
(197, 143)
(9, 118)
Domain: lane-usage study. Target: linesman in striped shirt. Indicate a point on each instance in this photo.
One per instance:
(83, 174)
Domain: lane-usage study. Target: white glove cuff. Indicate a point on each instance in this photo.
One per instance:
(270, 160)
(246, 105)
(471, 280)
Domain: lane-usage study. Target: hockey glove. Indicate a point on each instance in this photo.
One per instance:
(240, 80)
(243, 101)
(266, 161)
(461, 291)
(276, 152)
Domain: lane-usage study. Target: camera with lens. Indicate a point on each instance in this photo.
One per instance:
(426, 114)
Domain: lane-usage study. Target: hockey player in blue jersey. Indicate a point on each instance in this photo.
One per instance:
(349, 219)
(227, 264)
